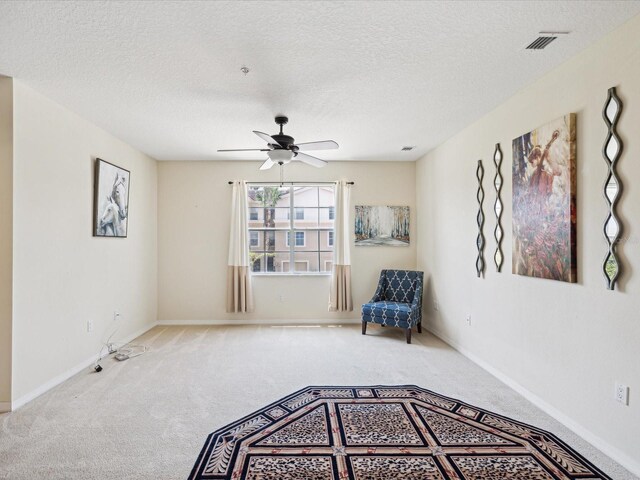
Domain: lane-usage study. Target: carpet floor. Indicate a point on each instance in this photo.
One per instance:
(148, 417)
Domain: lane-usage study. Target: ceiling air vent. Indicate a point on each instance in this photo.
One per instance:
(540, 42)
(544, 39)
(408, 148)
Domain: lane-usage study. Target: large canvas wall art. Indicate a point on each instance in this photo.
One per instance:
(111, 200)
(382, 225)
(544, 201)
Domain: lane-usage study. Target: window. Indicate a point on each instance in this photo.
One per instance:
(254, 239)
(291, 228)
(299, 239)
(299, 214)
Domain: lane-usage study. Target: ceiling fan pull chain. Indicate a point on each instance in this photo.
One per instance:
(281, 174)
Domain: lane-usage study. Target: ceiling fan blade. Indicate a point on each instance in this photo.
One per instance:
(247, 150)
(267, 138)
(323, 145)
(268, 163)
(308, 159)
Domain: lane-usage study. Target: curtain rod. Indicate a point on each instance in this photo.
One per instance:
(292, 183)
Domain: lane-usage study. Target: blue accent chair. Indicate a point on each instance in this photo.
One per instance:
(397, 301)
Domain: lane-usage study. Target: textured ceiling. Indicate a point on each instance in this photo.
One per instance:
(374, 76)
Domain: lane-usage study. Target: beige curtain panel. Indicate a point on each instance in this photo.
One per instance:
(239, 294)
(340, 296)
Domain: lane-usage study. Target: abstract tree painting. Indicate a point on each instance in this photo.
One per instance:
(544, 201)
(382, 225)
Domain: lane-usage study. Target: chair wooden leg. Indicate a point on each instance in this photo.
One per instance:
(364, 328)
(408, 330)
(420, 327)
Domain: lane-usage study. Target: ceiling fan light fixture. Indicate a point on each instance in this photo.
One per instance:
(283, 149)
(280, 155)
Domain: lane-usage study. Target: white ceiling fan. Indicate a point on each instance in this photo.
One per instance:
(283, 149)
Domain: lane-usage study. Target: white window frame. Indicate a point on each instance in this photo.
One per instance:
(293, 214)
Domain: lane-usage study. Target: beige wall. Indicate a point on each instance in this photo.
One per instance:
(63, 276)
(567, 344)
(193, 216)
(6, 237)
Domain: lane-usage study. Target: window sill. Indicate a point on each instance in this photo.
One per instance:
(298, 274)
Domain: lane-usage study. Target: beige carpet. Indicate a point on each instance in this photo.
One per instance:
(148, 417)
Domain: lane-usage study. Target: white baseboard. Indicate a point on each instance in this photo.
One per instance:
(257, 321)
(57, 380)
(5, 407)
(605, 447)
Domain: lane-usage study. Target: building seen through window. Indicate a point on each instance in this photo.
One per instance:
(280, 244)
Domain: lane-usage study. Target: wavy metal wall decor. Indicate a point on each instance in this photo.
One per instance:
(480, 220)
(498, 233)
(611, 152)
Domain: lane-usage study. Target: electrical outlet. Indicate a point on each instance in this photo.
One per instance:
(89, 326)
(469, 320)
(436, 305)
(116, 316)
(622, 394)
(281, 297)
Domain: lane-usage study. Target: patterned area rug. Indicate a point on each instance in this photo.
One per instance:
(381, 433)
